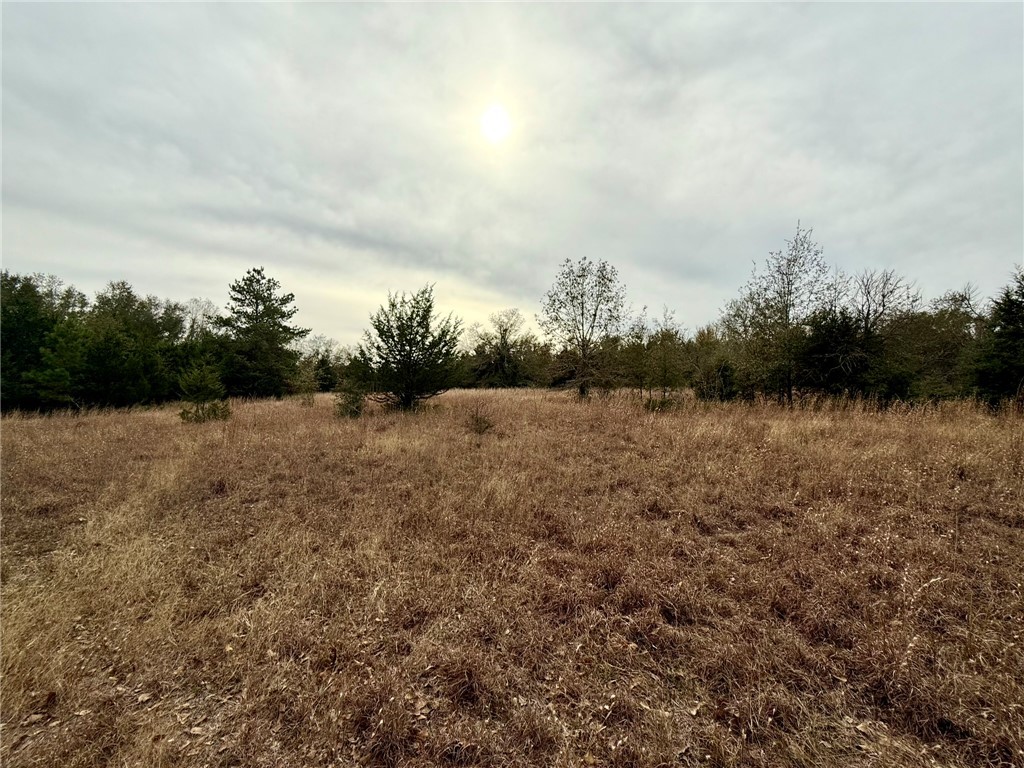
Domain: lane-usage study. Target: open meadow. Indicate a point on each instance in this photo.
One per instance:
(513, 578)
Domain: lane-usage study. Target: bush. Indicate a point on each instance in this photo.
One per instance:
(410, 354)
(305, 382)
(479, 421)
(201, 388)
(349, 400)
(660, 404)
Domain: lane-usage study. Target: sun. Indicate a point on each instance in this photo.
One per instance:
(495, 124)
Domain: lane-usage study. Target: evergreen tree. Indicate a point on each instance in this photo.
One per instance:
(999, 371)
(409, 354)
(260, 361)
(201, 388)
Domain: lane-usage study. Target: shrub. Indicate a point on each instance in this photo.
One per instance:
(479, 421)
(201, 388)
(410, 354)
(349, 400)
(305, 382)
(658, 405)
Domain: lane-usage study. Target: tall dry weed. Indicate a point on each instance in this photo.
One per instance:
(592, 583)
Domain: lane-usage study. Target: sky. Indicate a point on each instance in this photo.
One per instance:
(340, 147)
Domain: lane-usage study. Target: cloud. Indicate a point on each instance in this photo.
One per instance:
(176, 145)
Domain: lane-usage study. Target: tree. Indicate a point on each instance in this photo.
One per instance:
(410, 354)
(582, 309)
(326, 359)
(834, 358)
(1000, 368)
(25, 322)
(502, 354)
(33, 312)
(634, 353)
(260, 359)
(709, 365)
(202, 390)
(666, 353)
(878, 297)
(769, 319)
(130, 354)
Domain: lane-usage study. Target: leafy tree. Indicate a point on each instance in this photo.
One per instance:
(929, 353)
(1000, 368)
(410, 354)
(634, 353)
(503, 355)
(709, 366)
(260, 360)
(583, 308)
(769, 319)
(666, 353)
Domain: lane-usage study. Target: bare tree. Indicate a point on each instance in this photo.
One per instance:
(880, 296)
(584, 306)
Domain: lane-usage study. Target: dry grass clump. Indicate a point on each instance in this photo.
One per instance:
(589, 584)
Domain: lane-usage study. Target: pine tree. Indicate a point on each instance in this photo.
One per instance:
(261, 361)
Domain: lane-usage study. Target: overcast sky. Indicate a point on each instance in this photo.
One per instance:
(175, 146)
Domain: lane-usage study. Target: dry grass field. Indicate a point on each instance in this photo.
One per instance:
(580, 585)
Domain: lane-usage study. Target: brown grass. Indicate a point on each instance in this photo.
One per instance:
(576, 585)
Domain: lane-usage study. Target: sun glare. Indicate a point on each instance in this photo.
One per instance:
(495, 124)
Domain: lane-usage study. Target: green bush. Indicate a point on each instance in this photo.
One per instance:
(349, 400)
(305, 382)
(203, 392)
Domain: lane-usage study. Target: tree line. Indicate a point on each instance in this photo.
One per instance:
(797, 327)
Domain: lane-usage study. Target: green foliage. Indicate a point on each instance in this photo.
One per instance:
(410, 354)
(39, 320)
(129, 355)
(665, 354)
(503, 355)
(999, 371)
(834, 358)
(202, 389)
(305, 383)
(769, 318)
(260, 361)
(709, 367)
(349, 401)
(634, 353)
(584, 307)
(325, 373)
